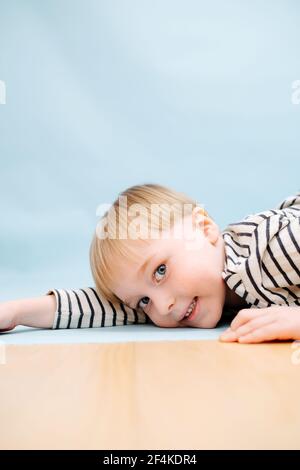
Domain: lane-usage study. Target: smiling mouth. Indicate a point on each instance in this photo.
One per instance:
(191, 310)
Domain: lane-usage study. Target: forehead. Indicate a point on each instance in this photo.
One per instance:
(135, 254)
(125, 267)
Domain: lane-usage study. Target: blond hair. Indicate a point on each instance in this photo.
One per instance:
(105, 252)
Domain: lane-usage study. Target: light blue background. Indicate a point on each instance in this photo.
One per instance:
(102, 95)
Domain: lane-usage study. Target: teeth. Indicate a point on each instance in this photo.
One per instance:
(190, 309)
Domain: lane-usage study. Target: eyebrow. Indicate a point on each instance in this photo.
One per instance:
(141, 270)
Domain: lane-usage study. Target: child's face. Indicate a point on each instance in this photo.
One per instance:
(189, 270)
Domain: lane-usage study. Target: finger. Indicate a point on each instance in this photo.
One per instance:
(247, 327)
(254, 324)
(245, 315)
(228, 336)
(268, 332)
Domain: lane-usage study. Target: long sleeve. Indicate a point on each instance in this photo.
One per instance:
(263, 256)
(85, 308)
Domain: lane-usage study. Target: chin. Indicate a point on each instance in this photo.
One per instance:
(211, 321)
(207, 325)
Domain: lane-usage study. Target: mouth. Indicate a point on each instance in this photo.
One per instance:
(192, 310)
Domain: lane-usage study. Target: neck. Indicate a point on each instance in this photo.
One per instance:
(233, 300)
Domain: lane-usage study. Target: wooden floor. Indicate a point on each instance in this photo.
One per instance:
(152, 395)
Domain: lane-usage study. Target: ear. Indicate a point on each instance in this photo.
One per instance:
(204, 223)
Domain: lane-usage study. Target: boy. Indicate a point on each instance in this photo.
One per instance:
(252, 266)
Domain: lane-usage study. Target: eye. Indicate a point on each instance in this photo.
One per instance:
(161, 272)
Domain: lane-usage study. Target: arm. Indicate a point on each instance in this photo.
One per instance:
(86, 308)
(67, 308)
(37, 312)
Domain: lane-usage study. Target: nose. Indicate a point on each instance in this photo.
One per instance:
(164, 305)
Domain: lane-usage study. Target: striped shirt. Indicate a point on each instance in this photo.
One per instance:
(262, 265)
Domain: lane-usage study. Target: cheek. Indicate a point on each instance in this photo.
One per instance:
(164, 322)
(185, 282)
(161, 321)
(198, 274)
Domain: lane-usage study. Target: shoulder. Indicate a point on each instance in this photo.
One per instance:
(263, 254)
(290, 206)
(292, 202)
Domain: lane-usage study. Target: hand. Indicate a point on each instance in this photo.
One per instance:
(8, 316)
(264, 324)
